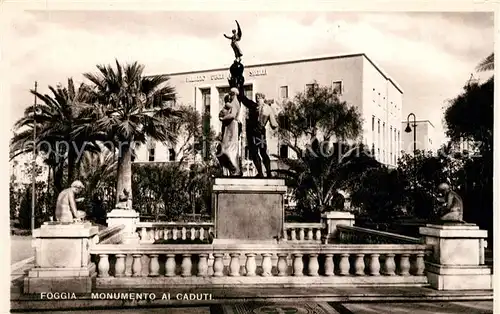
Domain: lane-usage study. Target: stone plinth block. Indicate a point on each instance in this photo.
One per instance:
(128, 218)
(332, 219)
(457, 262)
(456, 244)
(248, 208)
(62, 258)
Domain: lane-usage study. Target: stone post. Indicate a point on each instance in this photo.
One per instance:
(334, 218)
(457, 262)
(62, 258)
(127, 217)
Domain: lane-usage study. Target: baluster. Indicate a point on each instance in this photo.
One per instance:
(154, 265)
(313, 264)
(203, 265)
(310, 234)
(144, 234)
(183, 232)
(301, 234)
(374, 265)
(136, 265)
(329, 266)
(170, 265)
(267, 265)
(157, 233)
(282, 265)
(359, 265)
(120, 265)
(293, 235)
(151, 235)
(389, 265)
(298, 265)
(128, 270)
(174, 233)
(202, 231)
(165, 234)
(193, 233)
(344, 264)
(186, 265)
(250, 264)
(218, 264)
(234, 265)
(284, 236)
(419, 264)
(103, 265)
(318, 234)
(404, 265)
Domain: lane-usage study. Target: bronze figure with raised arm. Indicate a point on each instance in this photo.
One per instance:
(259, 114)
(234, 42)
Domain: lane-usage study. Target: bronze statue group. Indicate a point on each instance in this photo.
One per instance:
(259, 115)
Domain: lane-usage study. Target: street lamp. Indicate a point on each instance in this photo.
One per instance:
(408, 130)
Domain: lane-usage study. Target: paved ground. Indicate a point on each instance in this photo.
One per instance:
(477, 307)
(20, 248)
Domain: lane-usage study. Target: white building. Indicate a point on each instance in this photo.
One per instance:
(425, 134)
(359, 81)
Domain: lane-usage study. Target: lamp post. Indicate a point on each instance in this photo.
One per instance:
(33, 183)
(408, 130)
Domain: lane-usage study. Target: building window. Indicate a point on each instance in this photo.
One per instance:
(310, 88)
(373, 150)
(151, 154)
(378, 153)
(379, 99)
(284, 92)
(284, 151)
(284, 122)
(373, 124)
(171, 154)
(378, 126)
(337, 87)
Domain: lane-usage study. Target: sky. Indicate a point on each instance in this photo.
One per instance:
(430, 55)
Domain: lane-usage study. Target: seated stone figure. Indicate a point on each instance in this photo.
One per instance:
(66, 210)
(123, 200)
(452, 205)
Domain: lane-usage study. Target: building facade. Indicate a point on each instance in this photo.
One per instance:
(424, 136)
(358, 81)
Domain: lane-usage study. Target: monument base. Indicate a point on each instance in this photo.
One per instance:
(77, 280)
(248, 209)
(128, 218)
(459, 277)
(457, 262)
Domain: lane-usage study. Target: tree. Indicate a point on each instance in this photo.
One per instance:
(57, 137)
(130, 108)
(317, 126)
(488, 64)
(469, 117)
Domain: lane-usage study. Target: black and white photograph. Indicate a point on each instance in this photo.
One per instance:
(234, 158)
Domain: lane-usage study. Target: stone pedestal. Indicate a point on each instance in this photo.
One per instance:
(62, 258)
(127, 217)
(457, 262)
(248, 208)
(332, 219)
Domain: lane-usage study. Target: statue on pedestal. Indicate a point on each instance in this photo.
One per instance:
(228, 150)
(234, 42)
(259, 114)
(451, 204)
(123, 200)
(66, 210)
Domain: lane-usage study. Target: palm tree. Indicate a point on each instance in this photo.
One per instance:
(57, 119)
(129, 108)
(487, 64)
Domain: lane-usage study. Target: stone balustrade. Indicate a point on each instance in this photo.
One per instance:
(302, 232)
(358, 235)
(268, 264)
(149, 232)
